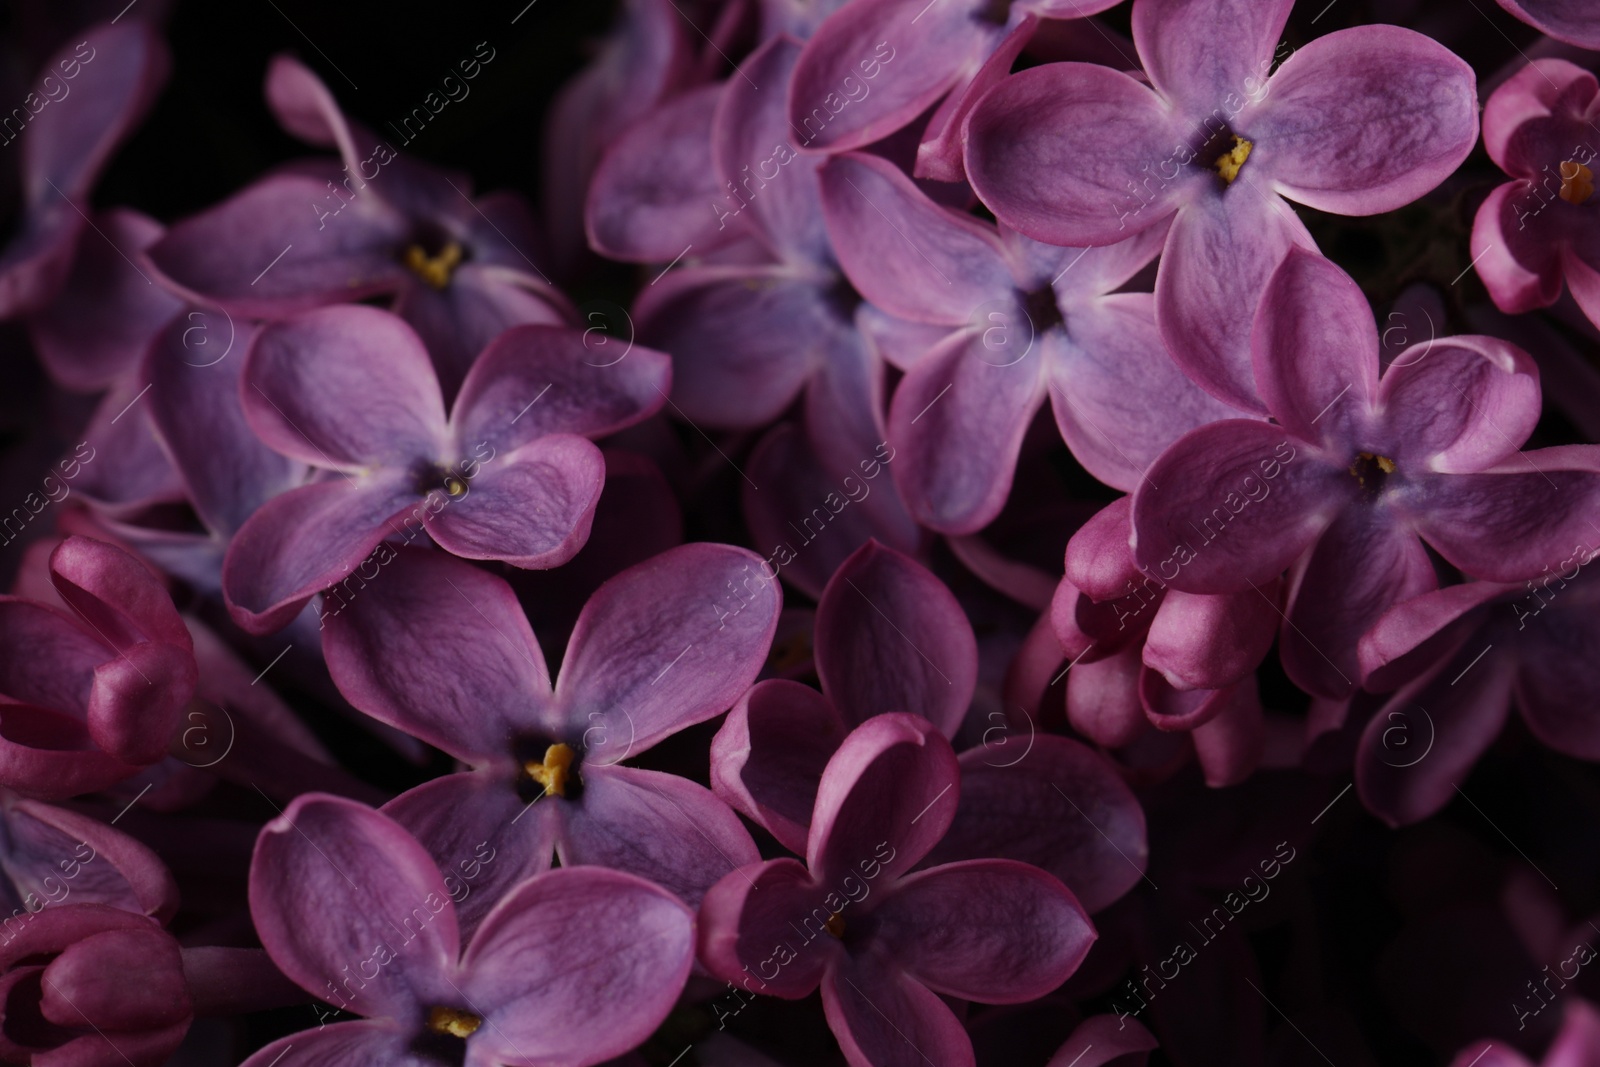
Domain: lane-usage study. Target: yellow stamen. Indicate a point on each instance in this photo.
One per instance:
(1384, 464)
(835, 925)
(553, 770)
(1229, 162)
(1577, 182)
(453, 1021)
(455, 486)
(435, 270)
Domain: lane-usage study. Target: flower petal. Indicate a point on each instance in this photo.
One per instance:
(670, 642)
(1461, 404)
(1186, 63)
(440, 649)
(891, 637)
(747, 925)
(576, 966)
(767, 759)
(357, 1043)
(303, 541)
(343, 387)
(1056, 152)
(531, 509)
(907, 255)
(656, 193)
(1058, 805)
(1365, 120)
(993, 930)
(1219, 258)
(883, 1017)
(1199, 524)
(535, 380)
(334, 885)
(1210, 642)
(46, 844)
(115, 594)
(658, 826)
(900, 56)
(959, 451)
(886, 798)
(1572, 21)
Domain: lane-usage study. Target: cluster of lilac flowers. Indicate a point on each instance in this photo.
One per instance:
(1052, 452)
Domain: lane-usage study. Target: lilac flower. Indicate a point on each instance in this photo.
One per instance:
(350, 390)
(441, 650)
(885, 943)
(383, 224)
(88, 99)
(1024, 321)
(89, 984)
(1574, 1046)
(92, 694)
(572, 966)
(1144, 654)
(875, 65)
(1358, 122)
(891, 637)
(1573, 21)
(1530, 645)
(1358, 472)
(1538, 229)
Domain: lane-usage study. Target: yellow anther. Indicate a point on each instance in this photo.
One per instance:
(1364, 463)
(453, 1021)
(1229, 162)
(455, 486)
(435, 270)
(552, 772)
(835, 925)
(1577, 182)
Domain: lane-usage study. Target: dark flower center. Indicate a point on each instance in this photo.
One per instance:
(548, 768)
(433, 255)
(1371, 471)
(997, 12)
(1043, 310)
(1577, 182)
(444, 1035)
(1224, 152)
(843, 299)
(426, 477)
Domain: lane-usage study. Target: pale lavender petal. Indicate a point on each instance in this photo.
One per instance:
(1461, 404)
(1174, 38)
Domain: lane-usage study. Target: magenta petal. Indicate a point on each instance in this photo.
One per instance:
(342, 387)
(767, 759)
(1572, 21)
(484, 837)
(1103, 698)
(1230, 746)
(1519, 265)
(1361, 567)
(1556, 691)
(656, 193)
(1366, 120)
(1209, 519)
(891, 637)
(52, 657)
(1173, 38)
(944, 142)
(670, 642)
(907, 255)
(1416, 631)
(358, 1043)
(667, 829)
(118, 980)
(300, 542)
(98, 326)
(1425, 740)
(137, 701)
(1219, 258)
(887, 797)
(46, 844)
(636, 943)
(333, 881)
(1056, 804)
(752, 147)
(1209, 642)
(1180, 710)
(743, 339)
(440, 649)
(875, 65)
(1099, 561)
(748, 935)
(1315, 350)
(1509, 523)
(115, 594)
(285, 244)
(1056, 152)
(535, 380)
(958, 419)
(1119, 1044)
(1110, 356)
(883, 1017)
(48, 754)
(995, 930)
(531, 508)
(1461, 404)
